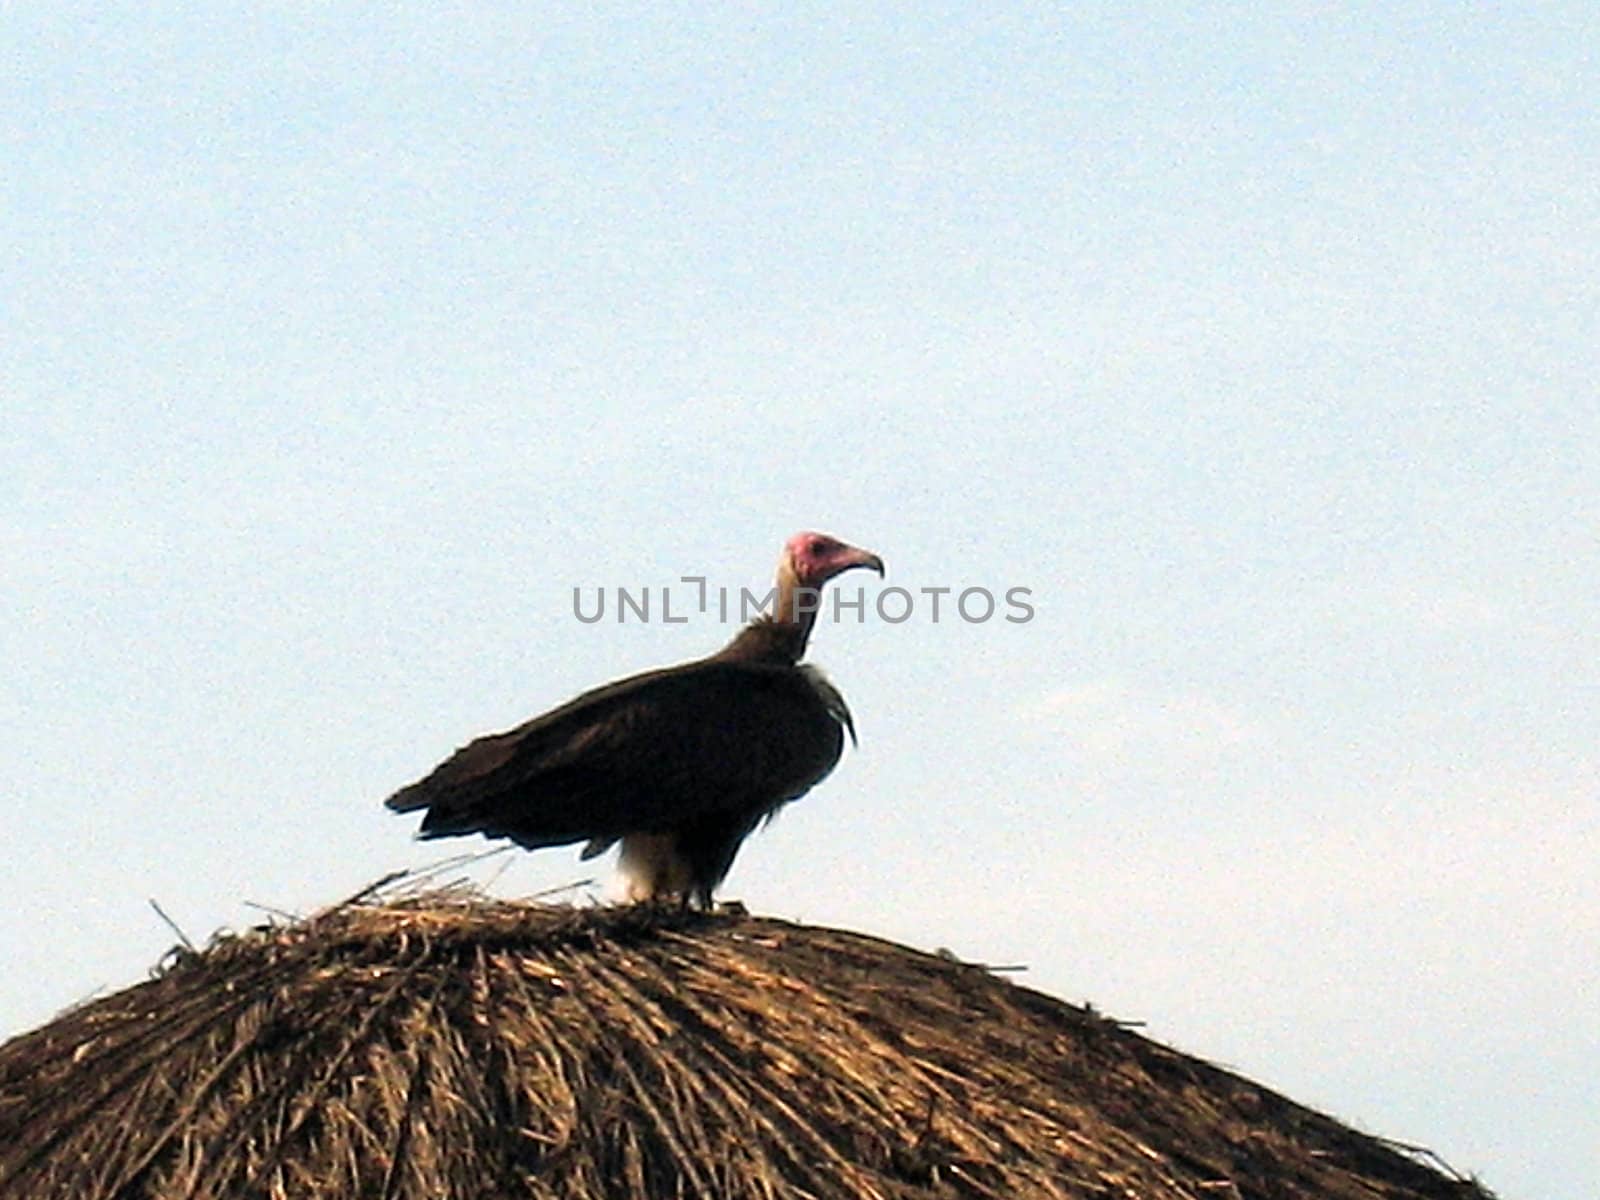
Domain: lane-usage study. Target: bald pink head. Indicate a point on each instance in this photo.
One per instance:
(815, 558)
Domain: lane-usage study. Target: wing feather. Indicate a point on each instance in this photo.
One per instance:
(648, 753)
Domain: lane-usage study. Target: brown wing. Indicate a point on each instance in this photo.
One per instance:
(651, 753)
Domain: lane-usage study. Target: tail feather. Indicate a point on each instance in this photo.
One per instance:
(409, 799)
(541, 806)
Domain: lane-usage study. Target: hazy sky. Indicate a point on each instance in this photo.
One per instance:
(341, 343)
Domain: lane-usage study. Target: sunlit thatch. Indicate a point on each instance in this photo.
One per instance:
(445, 1046)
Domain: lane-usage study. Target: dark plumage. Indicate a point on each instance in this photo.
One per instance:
(678, 764)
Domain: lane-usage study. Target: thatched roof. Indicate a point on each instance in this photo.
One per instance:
(449, 1047)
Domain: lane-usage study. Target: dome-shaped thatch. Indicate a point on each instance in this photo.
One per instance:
(449, 1048)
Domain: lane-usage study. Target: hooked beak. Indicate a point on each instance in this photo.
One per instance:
(865, 558)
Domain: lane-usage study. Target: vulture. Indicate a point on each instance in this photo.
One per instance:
(678, 764)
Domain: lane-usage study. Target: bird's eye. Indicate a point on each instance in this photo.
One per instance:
(818, 546)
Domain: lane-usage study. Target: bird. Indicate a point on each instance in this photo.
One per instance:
(678, 764)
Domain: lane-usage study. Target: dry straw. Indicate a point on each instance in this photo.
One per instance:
(444, 1045)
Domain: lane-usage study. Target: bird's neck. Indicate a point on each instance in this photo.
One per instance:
(764, 640)
(781, 635)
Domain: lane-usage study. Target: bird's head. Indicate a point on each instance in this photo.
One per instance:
(814, 558)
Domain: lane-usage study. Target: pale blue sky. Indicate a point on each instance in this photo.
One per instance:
(340, 344)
